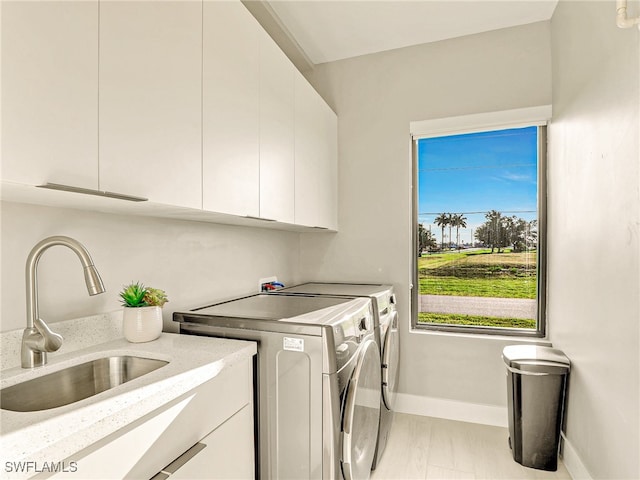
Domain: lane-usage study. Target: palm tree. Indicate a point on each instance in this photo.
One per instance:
(458, 220)
(426, 240)
(442, 221)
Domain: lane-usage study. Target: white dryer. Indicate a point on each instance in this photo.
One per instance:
(386, 316)
(317, 380)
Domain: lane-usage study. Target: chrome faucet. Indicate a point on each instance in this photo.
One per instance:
(38, 338)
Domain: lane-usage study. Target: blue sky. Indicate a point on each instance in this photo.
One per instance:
(477, 172)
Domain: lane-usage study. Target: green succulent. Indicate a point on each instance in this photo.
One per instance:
(155, 297)
(133, 295)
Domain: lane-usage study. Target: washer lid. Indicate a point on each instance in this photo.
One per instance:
(383, 293)
(279, 308)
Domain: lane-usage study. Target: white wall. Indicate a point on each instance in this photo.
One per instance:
(594, 219)
(195, 263)
(376, 97)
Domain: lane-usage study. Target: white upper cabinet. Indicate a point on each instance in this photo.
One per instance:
(316, 156)
(187, 103)
(150, 117)
(230, 109)
(277, 78)
(50, 93)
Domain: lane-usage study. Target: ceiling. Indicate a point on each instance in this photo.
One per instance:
(328, 30)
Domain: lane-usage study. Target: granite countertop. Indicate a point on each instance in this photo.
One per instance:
(53, 435)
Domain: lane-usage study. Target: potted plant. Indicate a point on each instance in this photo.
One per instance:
(142, 316)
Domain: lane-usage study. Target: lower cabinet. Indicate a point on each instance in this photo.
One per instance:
(218, 413)
(226, 453)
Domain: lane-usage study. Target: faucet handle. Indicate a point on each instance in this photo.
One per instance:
(51, 341)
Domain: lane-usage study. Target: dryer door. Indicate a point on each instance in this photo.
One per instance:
(390, 361)
(361, 414)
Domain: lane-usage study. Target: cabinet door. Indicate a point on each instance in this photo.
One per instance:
(230, 109)
(277, 77)
(144, 447)
(225, 453)
(50, 92)
(316, 156)
(150, 100)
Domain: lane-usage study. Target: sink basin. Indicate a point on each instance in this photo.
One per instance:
(75, 383)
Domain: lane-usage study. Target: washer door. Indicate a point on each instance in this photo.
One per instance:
(390, 361)
(361, 414)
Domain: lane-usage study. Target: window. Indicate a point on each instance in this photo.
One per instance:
(479, 211)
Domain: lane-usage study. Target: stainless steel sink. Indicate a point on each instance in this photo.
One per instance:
(75, 383)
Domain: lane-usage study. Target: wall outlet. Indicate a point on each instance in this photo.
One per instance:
(263, 281)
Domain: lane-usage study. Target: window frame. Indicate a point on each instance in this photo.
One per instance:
(536, 116)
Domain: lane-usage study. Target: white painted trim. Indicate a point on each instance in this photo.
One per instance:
(515, 339)
(573, 462)
(481, 122)
(452, 410)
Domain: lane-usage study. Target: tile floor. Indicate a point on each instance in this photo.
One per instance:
(433, 448)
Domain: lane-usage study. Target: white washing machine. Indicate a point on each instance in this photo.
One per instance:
(317, 380)
(386, 316)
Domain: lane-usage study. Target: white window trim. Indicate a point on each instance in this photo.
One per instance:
(463, 124)
(481, 122)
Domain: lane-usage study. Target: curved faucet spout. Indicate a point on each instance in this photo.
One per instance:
(38, 338)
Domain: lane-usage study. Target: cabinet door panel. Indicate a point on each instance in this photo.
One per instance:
(150, 100)
(228, 453)
(277, 76)
(230, 109)
(50, 92)
(315, 159)
(146, 446)
(329, 148)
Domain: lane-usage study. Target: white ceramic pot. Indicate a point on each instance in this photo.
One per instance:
(142, 324)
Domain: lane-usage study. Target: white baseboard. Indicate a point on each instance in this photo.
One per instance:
(452, 410)
(573, 462)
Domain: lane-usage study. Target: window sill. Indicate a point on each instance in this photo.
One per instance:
(480, 335)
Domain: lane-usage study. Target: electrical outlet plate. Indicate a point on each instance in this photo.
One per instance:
(265, 280)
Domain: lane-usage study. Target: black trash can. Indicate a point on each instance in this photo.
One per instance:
(536, 386)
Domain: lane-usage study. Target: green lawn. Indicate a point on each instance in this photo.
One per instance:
(479, 274)
(475, 320)
(478, 287)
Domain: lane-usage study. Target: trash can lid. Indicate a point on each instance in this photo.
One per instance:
(520, 356)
